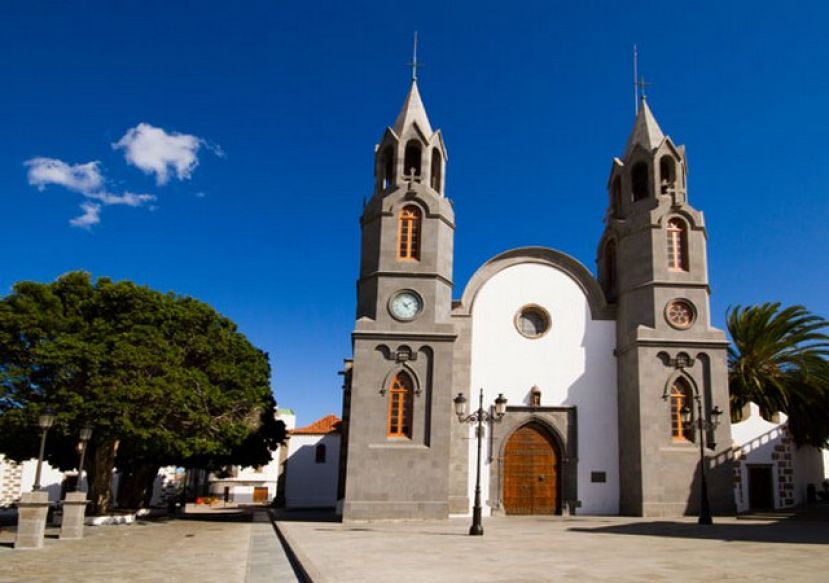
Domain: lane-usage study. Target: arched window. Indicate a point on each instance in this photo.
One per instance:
(639, 181)
(411, 160)
(437, 170)
(400, 406)
(610, 269)
(319, 454)
(408, 236)
(677, 246)
(681, 397)
(388, 167)
(667, 174)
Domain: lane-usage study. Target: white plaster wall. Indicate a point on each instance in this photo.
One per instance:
(289, 419)
(307, 483)
(50, 479)
(756, 439)
(246, 479)
(573, 364)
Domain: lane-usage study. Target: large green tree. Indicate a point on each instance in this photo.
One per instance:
(778, 360)
(162, 378)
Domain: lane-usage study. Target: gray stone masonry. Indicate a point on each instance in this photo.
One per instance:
(74, 510)
(403, 477)
(31, 522)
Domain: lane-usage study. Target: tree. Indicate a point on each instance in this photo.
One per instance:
(162, 378)
(778, 360)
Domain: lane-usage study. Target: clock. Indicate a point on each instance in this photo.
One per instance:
(405, 305)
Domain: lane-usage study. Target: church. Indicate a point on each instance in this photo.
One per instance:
(599, 374)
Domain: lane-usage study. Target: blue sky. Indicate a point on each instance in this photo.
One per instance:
(271, 111)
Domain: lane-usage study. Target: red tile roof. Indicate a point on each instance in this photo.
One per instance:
(328, 424)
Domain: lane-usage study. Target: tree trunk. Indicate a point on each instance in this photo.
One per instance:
(101, 464)
(135, 489)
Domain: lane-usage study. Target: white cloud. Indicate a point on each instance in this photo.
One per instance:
(85, 179)
(91, 216)
(81, 178)
(128, 198)
(154, 151)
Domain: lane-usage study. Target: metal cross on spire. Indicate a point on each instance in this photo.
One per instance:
(414, 64)
(641, 85)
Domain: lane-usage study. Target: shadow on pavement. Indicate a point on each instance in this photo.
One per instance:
(305, 515)
(223, 517)
(789, 530)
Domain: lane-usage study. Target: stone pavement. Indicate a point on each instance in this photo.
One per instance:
(518, 549)
(177, 550)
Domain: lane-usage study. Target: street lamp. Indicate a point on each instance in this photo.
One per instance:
(702, 425)
(45, 421)
(86, 435)
(479, 417)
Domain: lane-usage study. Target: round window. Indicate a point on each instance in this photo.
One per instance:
(680, 314)
(532, 321)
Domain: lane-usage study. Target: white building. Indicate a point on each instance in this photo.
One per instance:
(257, 484)
(770, 470)
(18, 478)
(312, 464)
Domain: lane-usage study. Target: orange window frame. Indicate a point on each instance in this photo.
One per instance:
(399, 422)
(679, 399)
(408, 234)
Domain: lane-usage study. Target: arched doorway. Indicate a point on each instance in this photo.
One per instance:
(531, 472)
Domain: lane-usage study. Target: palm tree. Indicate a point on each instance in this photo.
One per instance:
(778, 360)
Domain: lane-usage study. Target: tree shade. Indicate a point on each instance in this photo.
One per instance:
(778, 360)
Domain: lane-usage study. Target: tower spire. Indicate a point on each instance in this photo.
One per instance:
(646, 131)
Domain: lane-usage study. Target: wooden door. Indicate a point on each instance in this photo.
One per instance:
(760, 488)
(260, 495)
(531, 472)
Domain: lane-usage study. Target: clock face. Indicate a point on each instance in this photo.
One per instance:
(405, 305)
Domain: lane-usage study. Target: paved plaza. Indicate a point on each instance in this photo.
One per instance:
(528, 549)
(514, 549)
(175, 550)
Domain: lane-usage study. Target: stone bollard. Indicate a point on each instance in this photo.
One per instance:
(74, 511)
(31, 519)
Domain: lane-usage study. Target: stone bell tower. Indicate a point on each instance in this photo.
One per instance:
(652, 263)
(399, 401)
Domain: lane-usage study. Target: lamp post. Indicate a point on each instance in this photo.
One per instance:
(702, 425)
(479, 417)
(86, 435)
(45, 421)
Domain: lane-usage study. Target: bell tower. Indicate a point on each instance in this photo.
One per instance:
(652, 262)
(401, 379)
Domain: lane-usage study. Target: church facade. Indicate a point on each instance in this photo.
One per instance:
(597, 372)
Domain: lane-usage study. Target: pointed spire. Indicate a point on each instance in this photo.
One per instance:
(646, 132)
(413, 112)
